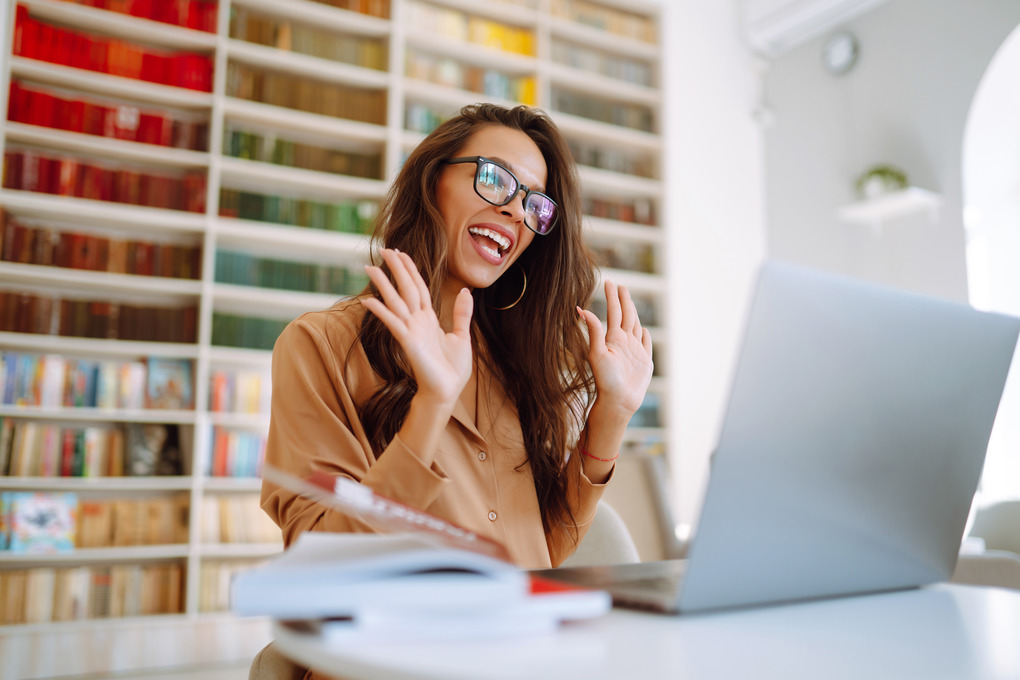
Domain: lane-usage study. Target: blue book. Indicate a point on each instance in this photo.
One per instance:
(41, 522)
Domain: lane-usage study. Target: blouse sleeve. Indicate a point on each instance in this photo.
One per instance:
(583, 497)
(314, 425)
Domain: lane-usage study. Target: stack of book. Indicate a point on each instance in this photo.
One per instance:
(425, 579)
(54, 380)
(35, 105)
(305, 94)
(45, 594)
(31, 242)
(283, 34)
(64, 174)
(350, 216)
(37, 39)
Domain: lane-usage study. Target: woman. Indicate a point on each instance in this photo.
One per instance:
(461, 381)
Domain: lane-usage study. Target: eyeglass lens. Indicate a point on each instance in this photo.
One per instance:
(497, 185)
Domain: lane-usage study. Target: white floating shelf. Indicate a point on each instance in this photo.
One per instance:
(874, 212)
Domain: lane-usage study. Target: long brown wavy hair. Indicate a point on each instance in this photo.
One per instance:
(536, 348)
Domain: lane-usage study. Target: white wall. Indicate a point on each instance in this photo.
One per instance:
(905, 103)
(715, 218)
(991, 194)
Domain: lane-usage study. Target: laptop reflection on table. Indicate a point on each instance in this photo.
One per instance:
(849, 454)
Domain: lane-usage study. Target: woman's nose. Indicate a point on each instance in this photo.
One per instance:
(515, 208)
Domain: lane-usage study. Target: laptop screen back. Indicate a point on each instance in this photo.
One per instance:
(852, 444)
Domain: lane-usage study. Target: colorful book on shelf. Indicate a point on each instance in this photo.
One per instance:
(41, 522)
(169, 383)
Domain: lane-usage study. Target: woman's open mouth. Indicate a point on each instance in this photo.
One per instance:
(490, 241)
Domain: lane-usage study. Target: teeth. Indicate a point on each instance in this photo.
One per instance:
(503, 241)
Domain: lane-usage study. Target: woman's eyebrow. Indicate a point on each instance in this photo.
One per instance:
(505, 163)
(509, 166)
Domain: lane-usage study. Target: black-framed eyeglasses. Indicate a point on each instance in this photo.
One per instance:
(499, 186)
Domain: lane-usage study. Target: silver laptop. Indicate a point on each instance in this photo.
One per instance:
(850, 451)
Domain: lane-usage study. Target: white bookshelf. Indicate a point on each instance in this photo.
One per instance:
(629, 224)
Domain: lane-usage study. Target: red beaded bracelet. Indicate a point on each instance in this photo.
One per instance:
(604, 460)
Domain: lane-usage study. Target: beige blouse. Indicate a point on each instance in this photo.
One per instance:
(479, 478)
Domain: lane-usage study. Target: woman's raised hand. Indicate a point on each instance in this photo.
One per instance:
(441, 361)
(621, 356)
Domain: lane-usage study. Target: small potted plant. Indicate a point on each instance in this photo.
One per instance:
(880, 180)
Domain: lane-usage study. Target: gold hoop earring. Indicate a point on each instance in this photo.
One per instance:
(524, 287)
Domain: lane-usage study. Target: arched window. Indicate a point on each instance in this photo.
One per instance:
(991, 198)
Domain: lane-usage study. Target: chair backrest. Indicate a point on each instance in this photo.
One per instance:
(270, 664)
(607, 542)
(638, 491)
(998, 568)
(999, 525)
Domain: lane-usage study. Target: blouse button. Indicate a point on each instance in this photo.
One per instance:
(492, 515)
(482, 455)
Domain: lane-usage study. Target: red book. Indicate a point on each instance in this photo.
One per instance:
(61, 45)
(189, 325)
(67, 177)
(67, 451)
(43, 109)
(29, 108)
(93, 118)
(13, 161)
(28, 36)
(78, 253)
(75, 111)
(96, 59)
(155, 129)
(148, 191)
(91, 252)
(30, 169)
(15, 99)
(141, 8)
(193, 188)
(20, 244)
(61, 113)
(77, 47)
(154, 68)
(62, 256)
(6, 234)
(143, 258)
(192, 71)
(123, 124)
(207, 15)
(219, 462)
(90, 183)
(127, 186)
(49, 174)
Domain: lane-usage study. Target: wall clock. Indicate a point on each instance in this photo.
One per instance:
(839, 53)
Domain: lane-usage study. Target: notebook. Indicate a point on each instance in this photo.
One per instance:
(850, 449)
